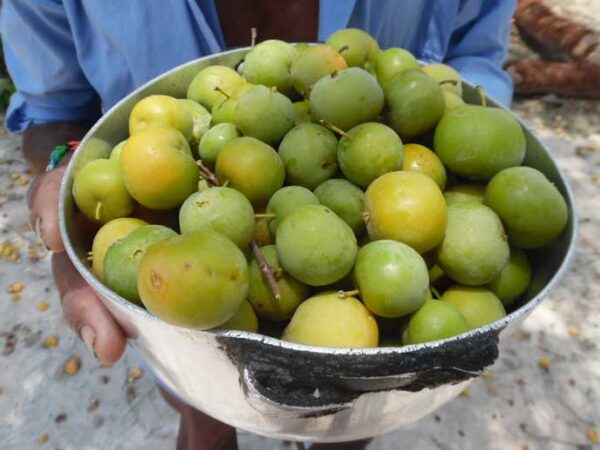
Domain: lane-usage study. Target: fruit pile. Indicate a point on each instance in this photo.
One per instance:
(300, 196)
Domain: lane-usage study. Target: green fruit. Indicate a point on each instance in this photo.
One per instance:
(123, 258)
(308, 152)
(442, 72)
(287, 200)
(158, 168)
(215, 139)
(532, 209)
(196, 280)
(243, 320)
(514, 278)
(474, 249)
(264, 114)
(479, 306)
(367, 151)
(302, 112)
(416, 103)
(252, 167)
(344, 199)
(452, 100)
(100, 193)
(477, 142)
(392, 278)
(162, 111)
(434, 321)
(328, 320)
(356, 46)
(418, 158)
(223, 111)
(115, 154)
(315, 246)
(391, 62)
(200, 121)
(219, 209)
(269, 64)
(292, 291)
(314, 63)
(465, 193)
(109, 233)
(212, 85)
(347, 99)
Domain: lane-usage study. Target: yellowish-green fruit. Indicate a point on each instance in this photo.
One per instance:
(356, 46)
(212, 85)
(452, 100)
(269, 63)
(418, 158)
(407, 207)
(344, 199)
(287, 200)
(243, 320)
(314, 63)
(443, 72)
(392, 61)
(465, 193)
(196, 280)
(110, 232)
(115, 154)
(302, 112)
(99, 191)
(331, 320)
(434, 321)
(161, 111)
(223, 111)
(158, 168)
(514, 278)
(479, 306)
(215, 139)
(292, 291)
(200, 121)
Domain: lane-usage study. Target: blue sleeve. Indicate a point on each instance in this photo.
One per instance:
(478, 47)
(41, 59)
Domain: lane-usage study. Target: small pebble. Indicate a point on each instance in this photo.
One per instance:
(51, 342)
(571, 382)
(60, 418)
(94, 405)
(545, 362)
(72, 366)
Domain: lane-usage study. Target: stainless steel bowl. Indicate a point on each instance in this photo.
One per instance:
(283, 390)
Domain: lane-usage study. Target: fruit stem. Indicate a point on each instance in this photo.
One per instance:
(480, 91)
(217, 88)
(365, 216)
(435, 292)
(333, 128)
(266, 270)
(343, 49)
(207, 174)
(264, 216)
(97, 214)
(346, 294)
(452, 82)
(253, 36)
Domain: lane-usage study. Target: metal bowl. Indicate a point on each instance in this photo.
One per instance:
(283, 390)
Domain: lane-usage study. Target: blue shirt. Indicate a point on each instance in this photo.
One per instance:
(72, 59)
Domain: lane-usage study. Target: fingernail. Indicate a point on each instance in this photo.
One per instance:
(89, 337)
(38, 231)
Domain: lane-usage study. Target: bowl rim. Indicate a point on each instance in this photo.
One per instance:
(494, 327)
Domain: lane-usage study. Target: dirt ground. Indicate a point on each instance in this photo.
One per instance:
(543, 392)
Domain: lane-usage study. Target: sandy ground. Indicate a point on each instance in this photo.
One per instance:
(543, 392)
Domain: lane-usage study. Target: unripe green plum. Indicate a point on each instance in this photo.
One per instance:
(514, 278)
(115, 154)
(287, 200)
(392, 61)
(465, 193)
(356, 46)
(302, 111)
(220, 209)
(200, 122)
(163, 111)
(475, 248)
(344, 199)
(477, 142)
(331, 320)
(434, 321)
(196, 280)
(215, 139)
(158, 168)
(252, 167)
(315, 246)
(452, 100)
(314, 63)
(416, 103)
(443, 72)
(269, 63)
(223, 111)
(479, 306)
(308, 152)
(369, 150)
(212, 85)
(392, 278)
(418, 158)
(123, 258)
(346, 99)
(292, 291)
(100, 193)
(264, 114)
(109, 233)
(532, 209)
(243, 320)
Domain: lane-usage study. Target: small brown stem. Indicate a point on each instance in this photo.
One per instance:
(98, 212)
(346, 294)
(208, 174)
(332, 127)
(365, 216)
(479, 89)
(217, 88)
(452, 82)
(264, 216)
(253, 36)
(343, 49)
(435, 292)
(266, 270)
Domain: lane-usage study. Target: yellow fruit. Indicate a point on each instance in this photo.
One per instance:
(161, 110)
(243, 320)
(418, 158)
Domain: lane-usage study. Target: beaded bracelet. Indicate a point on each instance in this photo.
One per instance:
(59, 152)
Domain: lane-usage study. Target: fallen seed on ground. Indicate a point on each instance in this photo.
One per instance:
(465, 393)
(592, 435)
(16, 287)
(43, 306)
(43, 438)
(51, 342)
(545, 362)
(574, 331)
(134, 374)
(72, 366)
(15, 175)
(23, 181)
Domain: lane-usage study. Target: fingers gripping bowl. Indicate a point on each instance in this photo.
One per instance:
(287, 390)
